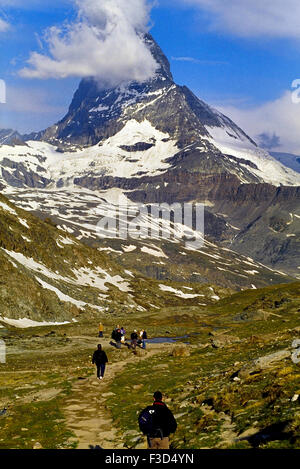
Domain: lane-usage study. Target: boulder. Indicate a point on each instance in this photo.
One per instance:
(180, 351)
(263, 363)
(223, 340)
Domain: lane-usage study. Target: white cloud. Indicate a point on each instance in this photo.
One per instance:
(280, 118)
(4, 26)
(250, 18)
(104, 42)
(199, 61)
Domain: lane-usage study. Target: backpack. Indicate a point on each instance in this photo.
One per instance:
(147, 424)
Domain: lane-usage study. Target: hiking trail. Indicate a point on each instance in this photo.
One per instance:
(85, 411)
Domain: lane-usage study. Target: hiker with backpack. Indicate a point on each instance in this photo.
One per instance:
(157, 422)
(134, 339)
(100, 359)
(117, 336)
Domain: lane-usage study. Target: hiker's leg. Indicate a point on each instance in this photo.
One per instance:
(98, 371)
(164, 443)
(102, 370)
(158, 443)
(155, 443)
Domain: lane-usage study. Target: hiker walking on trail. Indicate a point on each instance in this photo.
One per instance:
(157, 422)
(144, 338)
(101, 329)
(134, 339)
(100, 359)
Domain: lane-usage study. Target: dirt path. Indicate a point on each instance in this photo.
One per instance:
(85, 411)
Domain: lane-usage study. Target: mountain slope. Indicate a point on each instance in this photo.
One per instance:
(288, 159)
(49, 275)
(162, 259)
(159, 143)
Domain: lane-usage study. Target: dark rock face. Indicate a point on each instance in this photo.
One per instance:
(21, 177)
(10, 137)
(140, 146)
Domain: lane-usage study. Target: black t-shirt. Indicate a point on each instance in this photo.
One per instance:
(163, 419)
(100, 357)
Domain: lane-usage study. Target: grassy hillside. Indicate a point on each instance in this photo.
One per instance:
(229, 380)
(47, 274)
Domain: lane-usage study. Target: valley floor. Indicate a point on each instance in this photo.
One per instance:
(230, 379)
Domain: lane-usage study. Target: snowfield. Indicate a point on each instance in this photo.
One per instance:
(106, 158)
(118, 157)
(178, 293)
(268, 168)
(24, 323)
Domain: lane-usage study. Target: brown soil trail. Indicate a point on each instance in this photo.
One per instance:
(85, 411)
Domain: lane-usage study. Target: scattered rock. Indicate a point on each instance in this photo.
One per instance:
(37, 445)
(295, 398)
(131, 433)
(180, 351)
(184, 404)
(223, 340)
(160, 367)
(138, 386)
(263, 362)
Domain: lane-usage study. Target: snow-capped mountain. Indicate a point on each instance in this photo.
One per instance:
(145, 129)
(159, 143)
(10, 137)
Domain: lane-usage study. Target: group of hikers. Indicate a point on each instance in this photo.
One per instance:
(156, 421)
(119, 336)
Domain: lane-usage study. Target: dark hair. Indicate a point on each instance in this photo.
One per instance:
(99, 346)
(157, 396)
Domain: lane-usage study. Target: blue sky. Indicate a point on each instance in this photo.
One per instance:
(242, 63)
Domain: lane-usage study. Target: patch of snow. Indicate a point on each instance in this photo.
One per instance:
(8, 209)
(129, 248)
(178, 293)
(24, 323)
(269, 169)
(157, 252)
